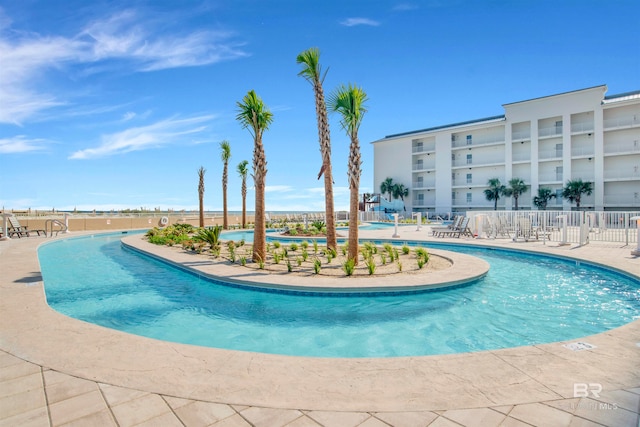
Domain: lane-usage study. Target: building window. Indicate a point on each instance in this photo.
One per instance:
(559, 174)
(469, 159)
(469, 140)
(558, 196)
(453, 157)
(558, 150)
(453, 195)
(469, 178)
(468, 197)
(559, 127)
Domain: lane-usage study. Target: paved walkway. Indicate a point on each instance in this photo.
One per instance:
(58, 371)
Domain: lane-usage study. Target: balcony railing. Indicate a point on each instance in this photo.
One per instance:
(620, 122)
(423, 148)
(581, 127)
(582, 151)
(622, 147)
(423, 166)
(550, 131)
(550, 154)
(522, 134)
(550, 177)
(520, 157)
(424, 184)
(476, 163)
(622, 174)
(477, 140)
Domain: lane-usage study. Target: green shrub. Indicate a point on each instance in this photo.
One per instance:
(293, 232)
(421, 262)
(293, 247)
(289, 267)
(371, 265)
(318, 225)
(399, 264)
(299, 261)
(315, 246)
(383, 258)
(317, 265)
(405, 249)
(243, 261)
(209, 235)
(305, 254)
(276, 244)
(349, 266)
(304, 244)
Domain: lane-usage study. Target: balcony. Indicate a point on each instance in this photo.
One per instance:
(477, 163)
(423, 166)
(622, 122)
(521, 157)
(416, 185)
(631, 199)
(550, 178)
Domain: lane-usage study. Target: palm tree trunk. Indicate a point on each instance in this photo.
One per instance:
(259, 173)
(325, 149)
(225, 222)
(328, 208)
(201, 206)
(244, 204)
(354, 185)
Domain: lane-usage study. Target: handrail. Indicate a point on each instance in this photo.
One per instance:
(50, 223)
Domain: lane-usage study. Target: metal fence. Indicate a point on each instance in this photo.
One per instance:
(577, 227)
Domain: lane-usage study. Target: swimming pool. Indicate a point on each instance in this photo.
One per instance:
(96, 280)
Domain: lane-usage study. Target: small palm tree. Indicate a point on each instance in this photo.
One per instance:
(242, 172)
(515, 188)
(201, 173)
(254, 115)
(349, 102)
(543, 198)
(494, 192)
(312, 72)
(400, 191)
(574, 190)
(209, 235)
(225, 155)
(387, 187)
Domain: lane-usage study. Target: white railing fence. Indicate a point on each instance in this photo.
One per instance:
(570, 227)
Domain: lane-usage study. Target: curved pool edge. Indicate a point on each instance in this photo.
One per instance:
(235, 275)
(34, 332)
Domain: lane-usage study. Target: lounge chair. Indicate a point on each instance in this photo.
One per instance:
(453, 226)
(16, 229)
(462, 229)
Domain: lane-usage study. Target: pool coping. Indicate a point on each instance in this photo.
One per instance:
(34, 332)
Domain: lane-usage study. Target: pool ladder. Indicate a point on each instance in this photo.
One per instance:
(54, 226)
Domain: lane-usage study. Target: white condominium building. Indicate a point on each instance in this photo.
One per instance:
(545, 141)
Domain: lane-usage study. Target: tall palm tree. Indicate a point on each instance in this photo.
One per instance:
(312, 72)
(515, 189)
(494, 192)
(543, 197)
(254, 115)
(242, 169)
(574, 190)
(225, 155)
(349, 102)
(201, 173)
(387, 187)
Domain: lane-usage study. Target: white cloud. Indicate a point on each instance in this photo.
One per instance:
(21, 144)
(165, 132)
(351, 22)
(125, 36)
(128, 116)
(404, 7)
(277, 188)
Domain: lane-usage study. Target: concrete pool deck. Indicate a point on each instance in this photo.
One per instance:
(55, 370)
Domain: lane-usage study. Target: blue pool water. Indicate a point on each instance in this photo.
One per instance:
(523, 300)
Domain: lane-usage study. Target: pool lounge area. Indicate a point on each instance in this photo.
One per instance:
(59, 370)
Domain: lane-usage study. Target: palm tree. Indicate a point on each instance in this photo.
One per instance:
(201, 173)
(312, 72)
(254, 115)
(543, 197)
(515, 188)
(225, 155)
(387, 187)
(242, 169)
(349, 102)
(574, 190)
(400, 191)
(494, 192)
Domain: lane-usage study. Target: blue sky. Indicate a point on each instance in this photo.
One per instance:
(116, 104)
